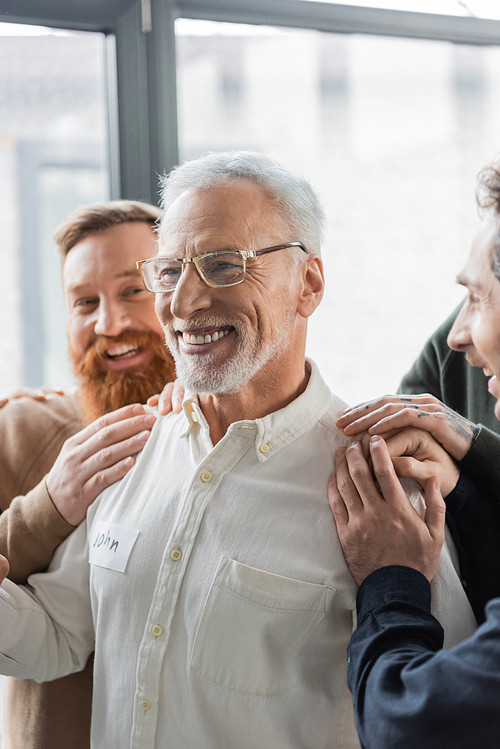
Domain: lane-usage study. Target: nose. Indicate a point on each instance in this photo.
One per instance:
(459, 337)
(112, 318)
(191, 295)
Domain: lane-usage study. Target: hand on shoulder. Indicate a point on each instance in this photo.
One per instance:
(376, 522)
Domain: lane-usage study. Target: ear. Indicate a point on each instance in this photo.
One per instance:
(313, 286)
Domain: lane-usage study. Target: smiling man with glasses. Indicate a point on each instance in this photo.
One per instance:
(220, 609)
(219, 270)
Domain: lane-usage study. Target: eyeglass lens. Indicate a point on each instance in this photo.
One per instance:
(219, 269)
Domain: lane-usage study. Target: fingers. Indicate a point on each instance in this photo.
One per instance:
(170, 398)
(165, 400)
(116, 441)
(336, 502)
(109, 425)
(153, 400)
(38, 394)
(177, 396)
(4, 568)
(435, 518)
(435, 514)
(421, 458)
(354, 479)
(369, 415)
(108, 456)
(409, 468)
(415, 455)
(393, 416)
(101, 480)
(361, 475)
(96, 457)
(385, 473)
(41, 393)
(353, 418)
(410, 441)
(345, 483)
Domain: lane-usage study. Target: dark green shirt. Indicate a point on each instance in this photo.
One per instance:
(447, 375)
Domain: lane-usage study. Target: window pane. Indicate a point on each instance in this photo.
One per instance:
(478, 8)
(392, 132)
(53, 157)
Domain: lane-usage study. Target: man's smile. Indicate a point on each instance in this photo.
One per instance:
(203, 336)
(125, 356)
(121, 350)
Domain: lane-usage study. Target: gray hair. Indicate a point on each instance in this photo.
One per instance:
(291, 194)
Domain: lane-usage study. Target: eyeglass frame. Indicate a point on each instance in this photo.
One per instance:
(246, 254)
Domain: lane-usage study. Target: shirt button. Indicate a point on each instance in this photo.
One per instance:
(194, 417)
(176, 554)
(157, 630)
(146, 705)
(206, 476)
(264, 448)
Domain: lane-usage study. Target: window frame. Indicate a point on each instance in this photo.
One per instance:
(141, 62)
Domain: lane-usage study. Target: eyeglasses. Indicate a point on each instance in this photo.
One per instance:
(217, 269)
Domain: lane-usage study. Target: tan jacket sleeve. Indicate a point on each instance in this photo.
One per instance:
(30, 529)
(31, 436)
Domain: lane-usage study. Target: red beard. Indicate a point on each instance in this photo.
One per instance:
(102, 390)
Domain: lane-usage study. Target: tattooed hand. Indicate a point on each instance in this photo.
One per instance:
(387, 415)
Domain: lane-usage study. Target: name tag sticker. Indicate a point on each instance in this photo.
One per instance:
(110, 545)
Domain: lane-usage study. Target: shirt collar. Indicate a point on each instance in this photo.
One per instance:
(277, 429)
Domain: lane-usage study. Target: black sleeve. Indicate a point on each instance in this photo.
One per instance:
(483, 459)
(408, 693)
(473, 516)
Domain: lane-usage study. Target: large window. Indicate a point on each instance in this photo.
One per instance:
(392, 132)
(53, 157)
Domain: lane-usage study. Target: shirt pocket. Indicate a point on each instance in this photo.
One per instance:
(253, 626)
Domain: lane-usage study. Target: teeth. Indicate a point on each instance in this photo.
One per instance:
(120, 350)
(198, 340)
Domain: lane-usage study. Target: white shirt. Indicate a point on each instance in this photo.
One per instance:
(229, 625)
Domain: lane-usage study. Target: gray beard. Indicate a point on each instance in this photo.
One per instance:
(217, 379)
(229, 377)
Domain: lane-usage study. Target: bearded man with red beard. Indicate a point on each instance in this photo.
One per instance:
(50, 468)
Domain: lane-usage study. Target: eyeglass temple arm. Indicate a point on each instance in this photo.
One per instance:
(281, 247)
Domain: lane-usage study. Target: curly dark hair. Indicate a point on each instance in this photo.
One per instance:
(488, 199)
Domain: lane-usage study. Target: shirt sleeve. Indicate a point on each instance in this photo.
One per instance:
(47, 629)
(409, 693)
